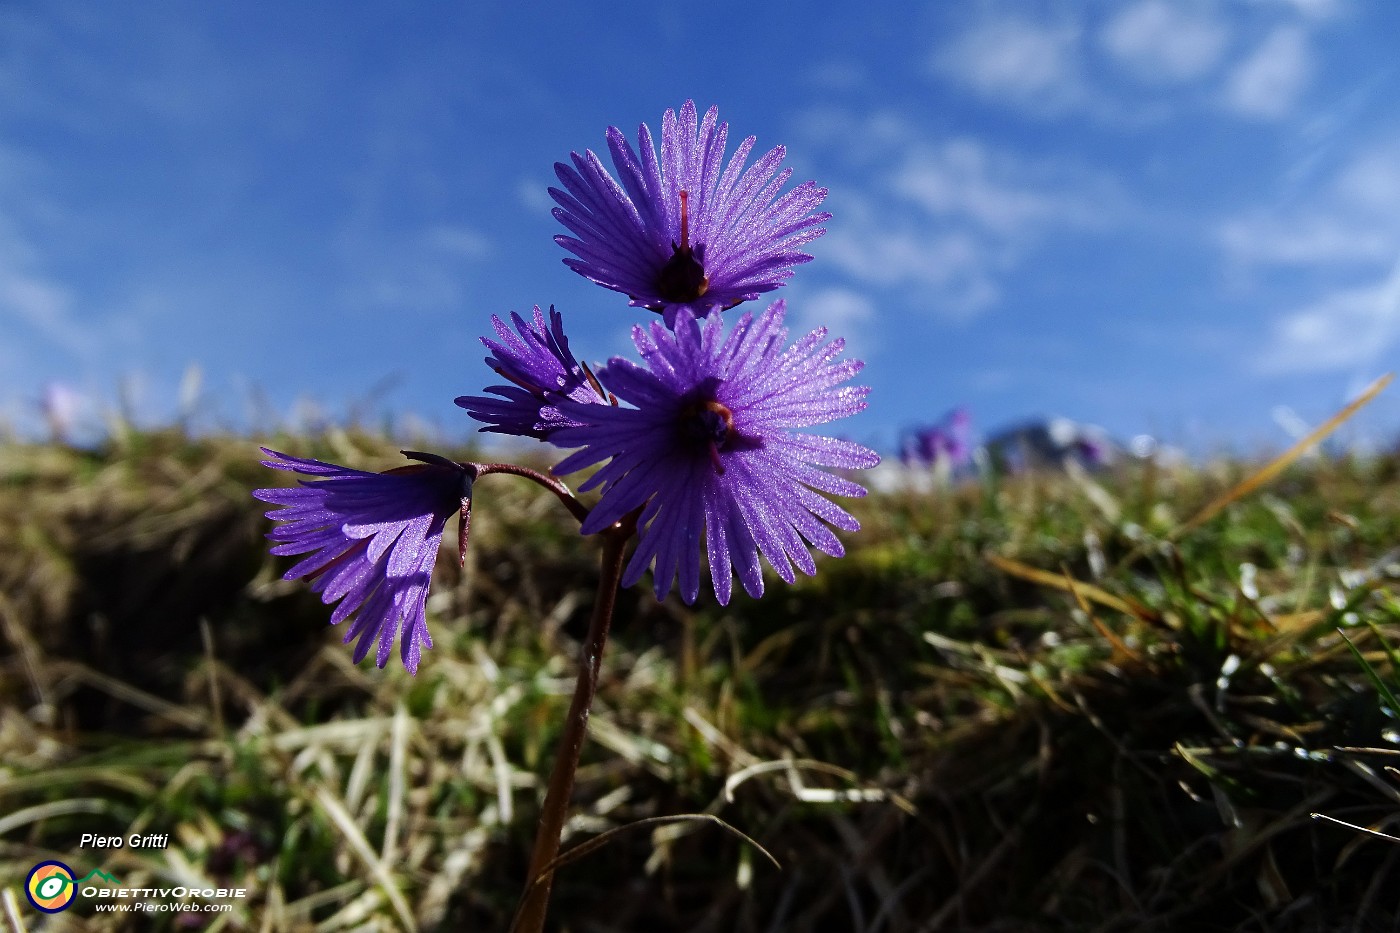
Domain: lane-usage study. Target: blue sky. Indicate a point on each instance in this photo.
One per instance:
(1162, 216)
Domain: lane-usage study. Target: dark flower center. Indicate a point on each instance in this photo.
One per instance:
(708, 424)
(682, 279)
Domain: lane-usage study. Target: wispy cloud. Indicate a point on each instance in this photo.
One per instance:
(1313, 9)
(994, 191)
(43, 306)
(945, 219)
(1353, 218)
(857, 138)
(1371, 182)
(1013, 57)
(33, 301)
(421, 272)
(457, 240)
(1345, 237)
(1303, 240)
(844, 312)
(1182, 57)
(952, 272)
(1165, 42)
(533, 196)
(839, 74)
(1350, 328)
(1268, 82)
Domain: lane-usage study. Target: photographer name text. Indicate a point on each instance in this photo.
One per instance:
(134, 841)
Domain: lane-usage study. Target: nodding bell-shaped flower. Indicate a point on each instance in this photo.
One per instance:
(372, 540)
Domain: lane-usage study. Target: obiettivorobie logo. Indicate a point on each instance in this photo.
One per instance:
(52, 887)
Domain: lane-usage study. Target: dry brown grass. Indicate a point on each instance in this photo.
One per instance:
(1029, 705)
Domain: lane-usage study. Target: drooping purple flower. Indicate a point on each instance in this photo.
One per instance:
(536, 359)
(685, 231)
(947, 444)
(372, 540)
(710, 448)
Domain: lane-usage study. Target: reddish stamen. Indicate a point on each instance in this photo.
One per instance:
(593, 381)
(527, 386)
(711, 423)
(685, 224)
(714, 459)
(683, 277)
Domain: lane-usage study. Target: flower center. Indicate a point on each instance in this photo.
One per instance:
(682, 278)
(708, 424)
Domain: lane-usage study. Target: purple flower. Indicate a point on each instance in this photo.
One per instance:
(537, 361)
(709, 448)
(61, 404)
(947, 443)
(1093, 451)
(373, 539)
(679, 233)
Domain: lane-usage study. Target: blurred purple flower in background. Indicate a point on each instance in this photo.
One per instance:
(1053, 443)
(1093, 451)
(60, 404)
(946, 445)
(373, 538)
(541, 368)
(709, 447)
(679, 233)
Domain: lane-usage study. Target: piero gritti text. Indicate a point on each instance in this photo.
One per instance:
(133, 841)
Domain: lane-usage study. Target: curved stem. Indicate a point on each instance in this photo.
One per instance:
(556, 486)
(534, 900)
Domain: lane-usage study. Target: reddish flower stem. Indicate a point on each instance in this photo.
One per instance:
(576, 508)
(534, 900)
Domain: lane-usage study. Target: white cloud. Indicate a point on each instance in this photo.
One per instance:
(424, 272)
(1166, 42)
(844, 312)
(855, 137)
(943, 222)
(840, 309)
(1351, 327)
(1268, 82)
(995, 191)
(1354, 218)
(38, 303)
(1303, 240)
(1346, 233)
(1371, 182)
(951, 272)
(1312, 9)
(534, 196)
(1016, 59)
(457, 240)
(838, 74)
(1184, 54)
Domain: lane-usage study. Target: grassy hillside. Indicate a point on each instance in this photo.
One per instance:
(1042, 703)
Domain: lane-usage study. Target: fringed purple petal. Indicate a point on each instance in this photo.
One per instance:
(372, 540)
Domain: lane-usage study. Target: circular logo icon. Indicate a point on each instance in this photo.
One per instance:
(50, 887)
